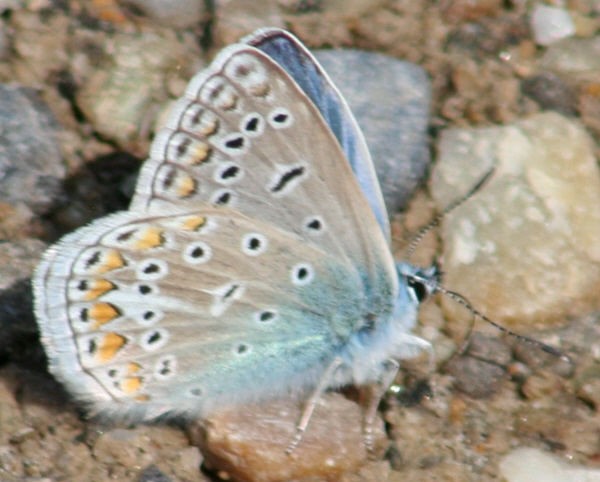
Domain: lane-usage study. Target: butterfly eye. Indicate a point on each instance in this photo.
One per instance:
(148, 317)
(235, 144)
(196, 392)
(146, 289)
(417, 289)
(242, 349)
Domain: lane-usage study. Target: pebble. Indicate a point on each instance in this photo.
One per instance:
(574, 59)
(249, 444)
(123, 96)
(30, 158)
(550, 24)
(153, 474)
(179, 14)
(551, 93)
(526, 464)
(481, 370)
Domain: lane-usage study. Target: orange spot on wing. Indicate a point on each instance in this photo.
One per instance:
(111, 261)
(133, 368)
(186, 186)
(194, 223)
(149, 238)
(131, 385)
(208, 126)
(260, 89)
(102, 313)
(98, 287)
(200, 153)
(111, 343)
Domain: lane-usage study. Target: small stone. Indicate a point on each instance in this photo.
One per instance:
(468, 10)
(480, 371)
(153, 474)
(128, 450)
(11, 419)
(390, 100)
(40, 43)
(351, 8)
(588, 386)
(30, 158)
(249, 443)
(526, 464)
(235, 19)
(523, 249)
(301, 6)
(541, 386)
(585, 25)
(179, 14)
(18, 259)
(550, 24)
(574, 59)
(551, 93)
(120, 97)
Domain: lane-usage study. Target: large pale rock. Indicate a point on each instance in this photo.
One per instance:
(525, 464)
(526, 247)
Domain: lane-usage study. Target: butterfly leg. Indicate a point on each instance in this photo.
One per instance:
(390, 370)
(311, 403)
(411, 346)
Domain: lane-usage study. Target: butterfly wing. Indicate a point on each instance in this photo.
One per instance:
(306, 71)
(247, 209)
(181, 311)
(246, 136)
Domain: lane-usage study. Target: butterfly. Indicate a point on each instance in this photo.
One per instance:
(254, 261)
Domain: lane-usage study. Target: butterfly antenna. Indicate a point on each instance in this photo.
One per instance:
(436, 220)
(461, 300)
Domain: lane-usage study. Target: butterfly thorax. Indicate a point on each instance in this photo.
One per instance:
(385, 336)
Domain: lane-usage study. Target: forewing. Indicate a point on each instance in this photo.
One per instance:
(246, 136)
(306, 71)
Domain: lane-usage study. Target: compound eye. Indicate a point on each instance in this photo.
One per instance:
(418, 289)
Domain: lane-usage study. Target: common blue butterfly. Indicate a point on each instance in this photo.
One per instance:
(254, 260)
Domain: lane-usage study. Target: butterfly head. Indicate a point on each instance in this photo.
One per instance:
(421, 283)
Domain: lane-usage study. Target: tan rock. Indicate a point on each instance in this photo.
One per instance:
(524, 249)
